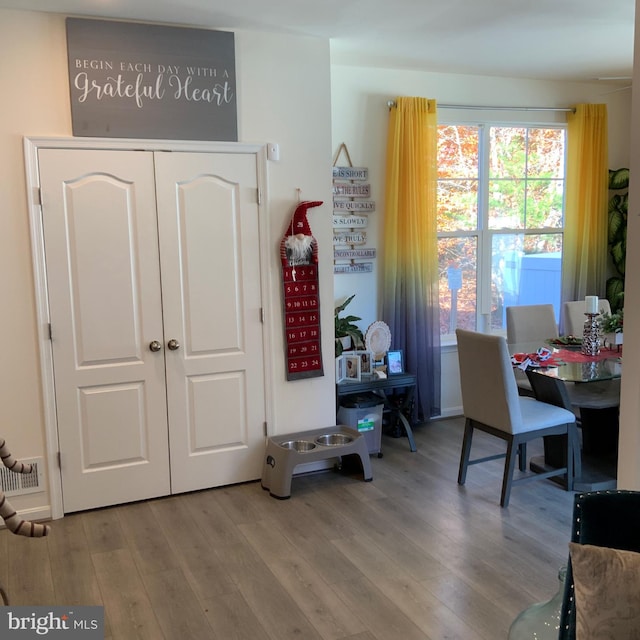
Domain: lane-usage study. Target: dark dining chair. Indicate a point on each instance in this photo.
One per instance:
(609, 519)
(491, 404)
(554, 391)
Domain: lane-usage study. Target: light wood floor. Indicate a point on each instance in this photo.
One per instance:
(408, 556)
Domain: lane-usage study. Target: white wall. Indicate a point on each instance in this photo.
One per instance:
(283, 96)
(629, 448)
(359, 119)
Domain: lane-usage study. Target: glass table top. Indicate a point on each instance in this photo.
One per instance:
(608, 369)
(572, 366)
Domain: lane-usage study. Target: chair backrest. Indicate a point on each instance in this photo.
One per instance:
(604, 519)
(573, 317)
(531, 323)
(549, 390)
(489, 390)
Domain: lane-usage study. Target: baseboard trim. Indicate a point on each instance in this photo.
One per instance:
(36, 514)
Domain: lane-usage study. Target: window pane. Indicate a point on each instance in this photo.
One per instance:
(525, 269)
(544, 204)
(457, 259)
(506, 204)
(506, 196)
(457, 205)
(457, 152)
(546, 153)
(507, 152)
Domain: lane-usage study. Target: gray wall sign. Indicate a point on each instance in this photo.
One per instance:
(134, 80)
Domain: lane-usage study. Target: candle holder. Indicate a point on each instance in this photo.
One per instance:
(591, 335)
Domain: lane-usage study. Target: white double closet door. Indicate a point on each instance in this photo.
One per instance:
(153, 281)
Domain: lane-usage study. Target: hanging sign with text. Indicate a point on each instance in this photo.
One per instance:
(357, 206)
(352, 254)
(355, 267)
(134, 80)
(349, 222)
(350, 173)
(349, 237)
(351, 190)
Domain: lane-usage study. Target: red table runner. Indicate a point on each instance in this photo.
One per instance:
(562, 356)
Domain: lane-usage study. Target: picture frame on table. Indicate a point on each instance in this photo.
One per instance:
(366, 361)
(395, 362)
(348, 368)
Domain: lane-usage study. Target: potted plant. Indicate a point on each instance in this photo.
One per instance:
(611, 326)
(617, 234)
(347, 333)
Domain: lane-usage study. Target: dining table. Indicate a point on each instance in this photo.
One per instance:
(592, 383)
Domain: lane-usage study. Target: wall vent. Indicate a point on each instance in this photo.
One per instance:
(16, 484)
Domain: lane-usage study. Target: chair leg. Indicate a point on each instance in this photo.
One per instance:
(577, 453)
(466, 451)
(571, 439)
(509, 468)
(522, 456)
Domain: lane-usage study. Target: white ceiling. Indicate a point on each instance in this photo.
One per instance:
(547, 39)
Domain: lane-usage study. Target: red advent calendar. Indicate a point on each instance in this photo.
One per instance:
(299, 257)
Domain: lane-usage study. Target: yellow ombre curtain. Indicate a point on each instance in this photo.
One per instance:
(586, 203)
(410, 304)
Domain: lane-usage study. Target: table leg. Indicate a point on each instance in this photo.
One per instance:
(397, 411)
(409, 430)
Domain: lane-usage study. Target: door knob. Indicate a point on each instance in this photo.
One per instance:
(173, 344)
(155, 345)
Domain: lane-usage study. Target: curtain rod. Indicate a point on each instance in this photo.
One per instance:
(392, 103)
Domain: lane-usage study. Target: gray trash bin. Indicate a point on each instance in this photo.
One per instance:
(364, 413)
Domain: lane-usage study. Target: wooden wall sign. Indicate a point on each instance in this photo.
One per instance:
(358, 206)
(351, 254)
(349, 237)
(350, 173)
(135, 80)
(350, 222)
(349, 190)
(350, 216)
(355, 267)
(299, 258)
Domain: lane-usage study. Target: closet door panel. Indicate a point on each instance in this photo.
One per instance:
(208, 229)
(101, 251)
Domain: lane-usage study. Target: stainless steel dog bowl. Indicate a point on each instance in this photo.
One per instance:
(298, 445)
(333, 439)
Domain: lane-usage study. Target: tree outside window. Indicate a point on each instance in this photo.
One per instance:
(500, 221)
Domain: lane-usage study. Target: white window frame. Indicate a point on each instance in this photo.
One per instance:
(483, 234)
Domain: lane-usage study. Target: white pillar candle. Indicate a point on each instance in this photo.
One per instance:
(591, 304)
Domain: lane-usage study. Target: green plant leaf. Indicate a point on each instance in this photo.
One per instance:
(619, 203)
(618, 254)
(615, 292)
(343, 306)
(619, 178)
(616, 223)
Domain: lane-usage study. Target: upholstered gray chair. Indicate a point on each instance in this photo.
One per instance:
(573, 317)
(531, 323)
(491, 404)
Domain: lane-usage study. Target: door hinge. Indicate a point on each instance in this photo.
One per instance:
(266, 431)
(50, 332)
(59, 456)
(37, 195)
(262, 315)
(259, 195)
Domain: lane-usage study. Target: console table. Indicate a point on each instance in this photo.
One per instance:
(380, 387)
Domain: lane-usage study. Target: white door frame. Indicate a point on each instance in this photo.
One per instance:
(31, 147)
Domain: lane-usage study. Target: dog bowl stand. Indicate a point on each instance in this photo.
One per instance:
(282, 456)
